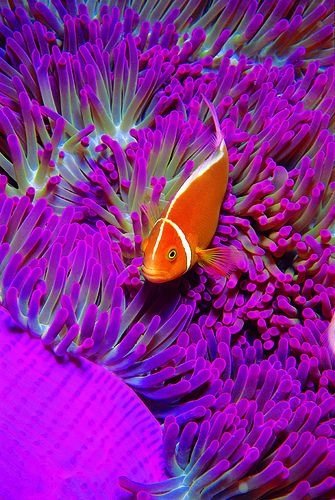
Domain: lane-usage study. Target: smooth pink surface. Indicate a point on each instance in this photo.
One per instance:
(68, 429)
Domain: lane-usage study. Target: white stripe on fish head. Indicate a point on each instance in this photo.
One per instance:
(182, 237)
(159, 237)
(184, 242)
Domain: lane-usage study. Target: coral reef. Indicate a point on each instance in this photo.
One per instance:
(101, 111)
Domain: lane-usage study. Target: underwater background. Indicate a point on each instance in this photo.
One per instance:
(112, 387)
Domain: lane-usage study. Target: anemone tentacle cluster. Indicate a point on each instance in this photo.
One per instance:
(101, 112)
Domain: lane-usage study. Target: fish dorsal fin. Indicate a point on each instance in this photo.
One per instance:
(218, 140)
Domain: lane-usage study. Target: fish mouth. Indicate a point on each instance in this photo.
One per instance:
(154, 276)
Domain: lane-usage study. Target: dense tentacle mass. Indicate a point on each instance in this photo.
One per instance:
(101, 113)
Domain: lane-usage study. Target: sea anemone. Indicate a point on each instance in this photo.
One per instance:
(59, 419)
(101, 114)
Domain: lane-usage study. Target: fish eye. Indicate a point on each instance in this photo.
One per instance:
(172, 254)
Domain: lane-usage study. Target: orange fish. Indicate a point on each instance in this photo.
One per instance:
(180, 236)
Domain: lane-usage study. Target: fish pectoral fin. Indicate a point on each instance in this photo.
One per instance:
(153, 212)
(221, 260)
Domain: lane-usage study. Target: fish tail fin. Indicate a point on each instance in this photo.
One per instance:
(221, 260)
(219, 141)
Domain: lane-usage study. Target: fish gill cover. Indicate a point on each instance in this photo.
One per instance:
(101, 110)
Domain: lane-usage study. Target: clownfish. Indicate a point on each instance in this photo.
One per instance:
(180, 237)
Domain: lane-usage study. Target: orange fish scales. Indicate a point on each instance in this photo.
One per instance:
(196, 206)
